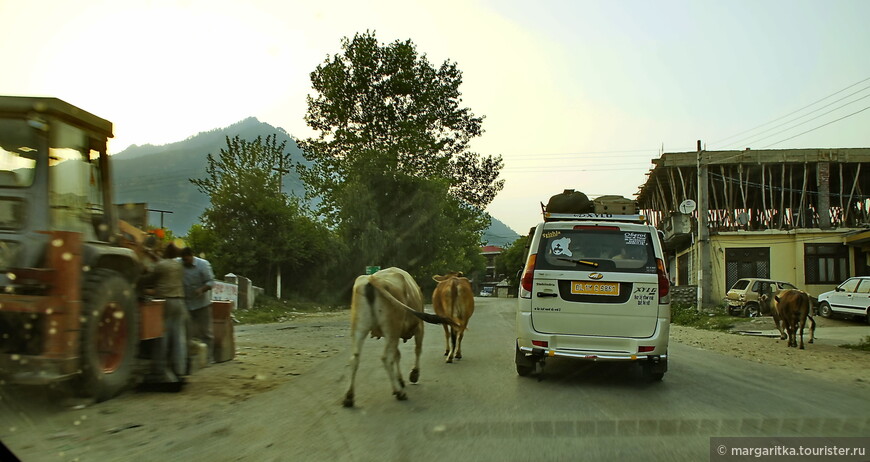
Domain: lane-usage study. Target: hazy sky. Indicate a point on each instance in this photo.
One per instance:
(576, 94)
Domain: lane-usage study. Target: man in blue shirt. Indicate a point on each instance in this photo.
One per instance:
(198, 282)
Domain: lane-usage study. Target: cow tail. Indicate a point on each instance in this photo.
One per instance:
(370, 293)
(454, 296)
(422, 315)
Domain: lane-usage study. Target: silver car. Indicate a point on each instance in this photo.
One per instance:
(851, 298)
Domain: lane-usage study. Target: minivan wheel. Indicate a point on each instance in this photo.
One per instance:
(525, 364)
(651, 374)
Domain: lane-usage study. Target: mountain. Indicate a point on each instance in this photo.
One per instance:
(499, 234)
(159, 177)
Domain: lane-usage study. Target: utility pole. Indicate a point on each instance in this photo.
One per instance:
(281, 171)
(705, 285)
(161, 214)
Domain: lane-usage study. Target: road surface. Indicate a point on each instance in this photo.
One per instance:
(479, 409)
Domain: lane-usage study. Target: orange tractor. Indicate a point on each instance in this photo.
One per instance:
(69, 303)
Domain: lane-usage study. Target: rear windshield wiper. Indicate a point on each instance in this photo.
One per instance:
(579, 262)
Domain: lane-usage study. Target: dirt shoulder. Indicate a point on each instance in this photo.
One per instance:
(823, 359)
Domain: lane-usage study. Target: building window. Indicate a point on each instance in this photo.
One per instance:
(826, 263)
(750, 262)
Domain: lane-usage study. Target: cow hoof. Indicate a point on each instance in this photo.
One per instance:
(449, 360)
(400, 395)
(415, 375)
(446, 352)
(459, 356)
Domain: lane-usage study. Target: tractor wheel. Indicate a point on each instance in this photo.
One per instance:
(110, 334)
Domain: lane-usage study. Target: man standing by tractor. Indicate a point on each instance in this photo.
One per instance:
(170, 357)
(198, 282)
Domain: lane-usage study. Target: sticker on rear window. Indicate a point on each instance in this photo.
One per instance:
(635, 238)
(551, 234)
(560, 246)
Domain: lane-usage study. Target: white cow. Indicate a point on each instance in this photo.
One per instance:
(388, 304)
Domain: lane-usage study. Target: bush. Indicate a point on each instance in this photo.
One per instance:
(268, 309)
(863, 345)
(688, 315)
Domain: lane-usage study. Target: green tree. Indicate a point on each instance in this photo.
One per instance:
(512, 260)
(391, 167)
(251, 228)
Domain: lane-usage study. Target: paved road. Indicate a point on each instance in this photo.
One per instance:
(479, 409)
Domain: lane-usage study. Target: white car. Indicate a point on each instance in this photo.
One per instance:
(851, 298)
(594, 288)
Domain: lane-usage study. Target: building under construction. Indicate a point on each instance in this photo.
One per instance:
(798, 215)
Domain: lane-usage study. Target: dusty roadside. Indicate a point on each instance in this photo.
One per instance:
(823, 359)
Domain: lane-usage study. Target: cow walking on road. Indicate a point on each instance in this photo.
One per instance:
(453, 299)
(388, 304)
(794, 307)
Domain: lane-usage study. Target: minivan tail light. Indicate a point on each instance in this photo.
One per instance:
(528, 275)
(664, 282)
(645, 349)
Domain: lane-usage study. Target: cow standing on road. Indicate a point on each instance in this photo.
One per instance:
(388, 304)
(453, 299)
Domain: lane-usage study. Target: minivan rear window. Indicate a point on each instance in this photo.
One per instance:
(597, 250)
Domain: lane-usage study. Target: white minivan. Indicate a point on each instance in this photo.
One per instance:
(594, 288)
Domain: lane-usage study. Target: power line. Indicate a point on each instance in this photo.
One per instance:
(738, 142)
(793, 112)
(820, 126)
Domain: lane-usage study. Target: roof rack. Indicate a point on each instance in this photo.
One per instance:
(594, 217)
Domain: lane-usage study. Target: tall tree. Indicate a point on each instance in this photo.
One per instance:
(253, 227)
(391, 161)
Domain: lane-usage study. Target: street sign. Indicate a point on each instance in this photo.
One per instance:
(372, 270)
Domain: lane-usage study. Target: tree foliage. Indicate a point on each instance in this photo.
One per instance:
(512, 260)
(251, 227)
(391, 166)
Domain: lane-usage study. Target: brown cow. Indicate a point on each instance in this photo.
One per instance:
(453, 299)
(388, 304)
(766, 301)
(794, 307)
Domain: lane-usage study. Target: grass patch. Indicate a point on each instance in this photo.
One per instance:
(688, 315)
(270, 309)
(863, 345)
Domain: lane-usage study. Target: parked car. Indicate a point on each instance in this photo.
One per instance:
(851, 298)
(742, 298)
(487, 291)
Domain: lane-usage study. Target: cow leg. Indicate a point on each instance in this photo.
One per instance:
(446, 339)
(359, 337)
(780, 325)
(459, 343)
(418, 349)
(398, 371)
(452, 344)
(391, 352)
(812, 329)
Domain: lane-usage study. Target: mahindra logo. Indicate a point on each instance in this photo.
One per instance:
(595, 275)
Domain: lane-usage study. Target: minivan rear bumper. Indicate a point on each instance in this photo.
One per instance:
(592, 348)
(587, 356)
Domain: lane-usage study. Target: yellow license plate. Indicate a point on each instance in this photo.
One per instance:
(594, 288)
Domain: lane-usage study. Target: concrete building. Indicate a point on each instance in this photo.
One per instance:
(799, 215)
